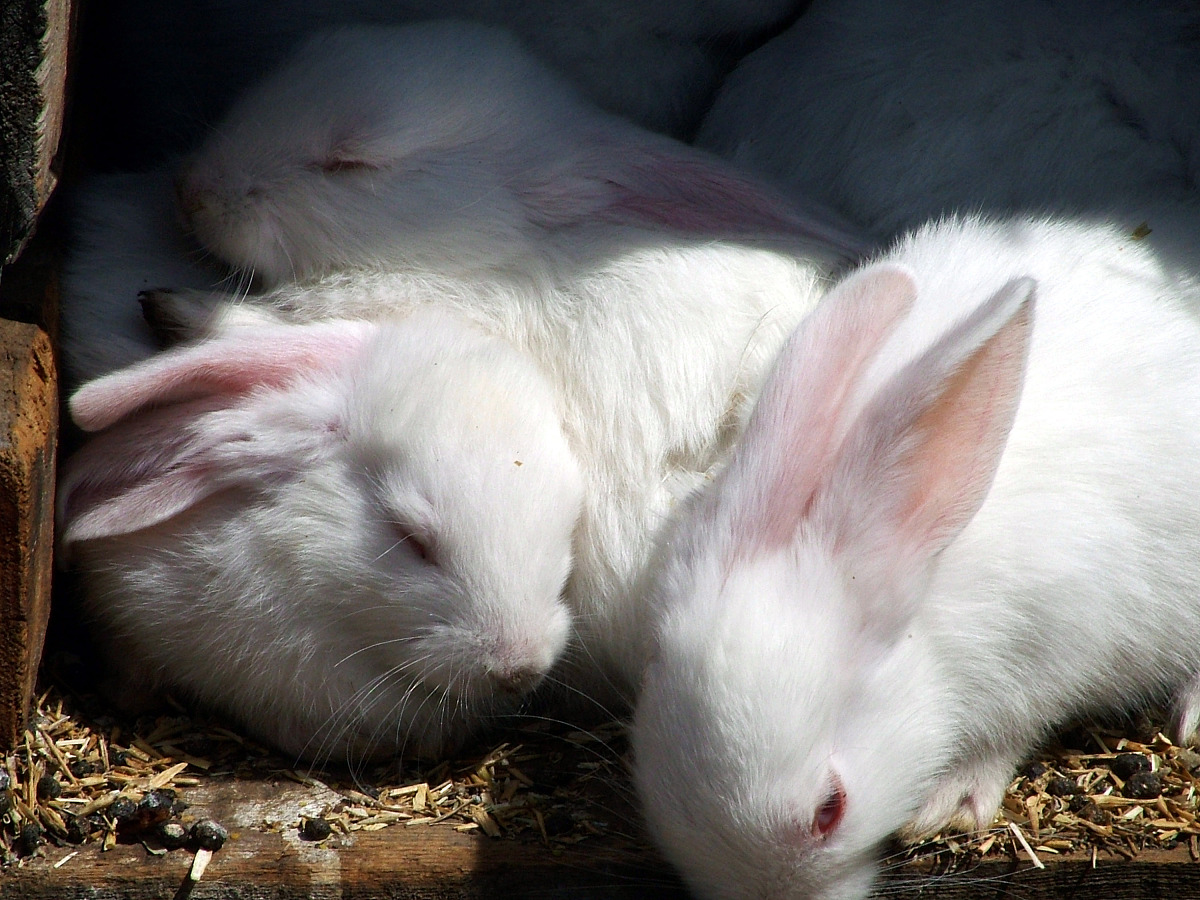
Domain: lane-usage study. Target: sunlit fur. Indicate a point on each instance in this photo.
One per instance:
(292, 596)
(818, 698)
(924, 679)
(655, 352)
(653, 320)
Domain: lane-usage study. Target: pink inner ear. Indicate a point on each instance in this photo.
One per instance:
(801, 417)
(929, 444)
(229, 366)
(135, 475)
(695, 194)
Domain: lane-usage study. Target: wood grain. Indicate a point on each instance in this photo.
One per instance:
(266, 858)
(28, 434)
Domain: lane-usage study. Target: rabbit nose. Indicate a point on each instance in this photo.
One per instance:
(518, 680)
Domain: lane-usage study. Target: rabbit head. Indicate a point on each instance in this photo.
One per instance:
(792, 717)
(351, 536)
(442, 145)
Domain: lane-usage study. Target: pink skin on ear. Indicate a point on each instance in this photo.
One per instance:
(155, 460)
(233, 365)
(697, 195)
(925, 450)
(800, 420)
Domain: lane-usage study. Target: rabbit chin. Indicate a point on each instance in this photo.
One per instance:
(402, 719)
(466, 677)
(425, 724)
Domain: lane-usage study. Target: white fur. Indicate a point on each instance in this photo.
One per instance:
(655, 353)
(844, 612)
(163, 71)
(447, 147)
(352, 537)
(125, 238)
(896, 112)
(650, 283)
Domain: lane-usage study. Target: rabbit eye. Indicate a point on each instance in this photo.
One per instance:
(829, 814)
(334, 165)
(420, 546)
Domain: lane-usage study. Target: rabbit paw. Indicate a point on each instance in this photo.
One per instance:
(1185, 714)
(964, 801)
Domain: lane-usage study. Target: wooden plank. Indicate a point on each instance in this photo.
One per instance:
(34, 36)
(1154, 873)
(429, 862)
(435, 862)
(28, 433)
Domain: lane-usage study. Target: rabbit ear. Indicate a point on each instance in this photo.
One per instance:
(922, 455)
(231, 365)
(204, 433)
(799, 420)
(652, 184)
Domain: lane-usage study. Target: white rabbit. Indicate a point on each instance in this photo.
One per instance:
(653, 330)
(943, 532)
(895, 111)
(162, 71)
(447, 147)
(125, 238)
(655, 353)
(350, 536)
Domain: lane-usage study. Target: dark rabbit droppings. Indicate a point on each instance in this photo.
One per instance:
(152, 810)
(80, 828)
(29, 839)
(122, 810)
(1058, 786)
(172, 835)
(1143, 786)
(81, 768)
(48, 787)
(209, 835)
(1125, 765)
(315, 829)
(1033, 770)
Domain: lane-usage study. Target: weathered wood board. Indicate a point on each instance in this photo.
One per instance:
(28, 431)
(34, 37)
(434, 862)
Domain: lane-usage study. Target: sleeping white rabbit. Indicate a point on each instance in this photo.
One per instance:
(448, 147)
(895, 111)
(350, 536)
(654, 353)
(164, 70)
(659, 287)
(964, 511)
